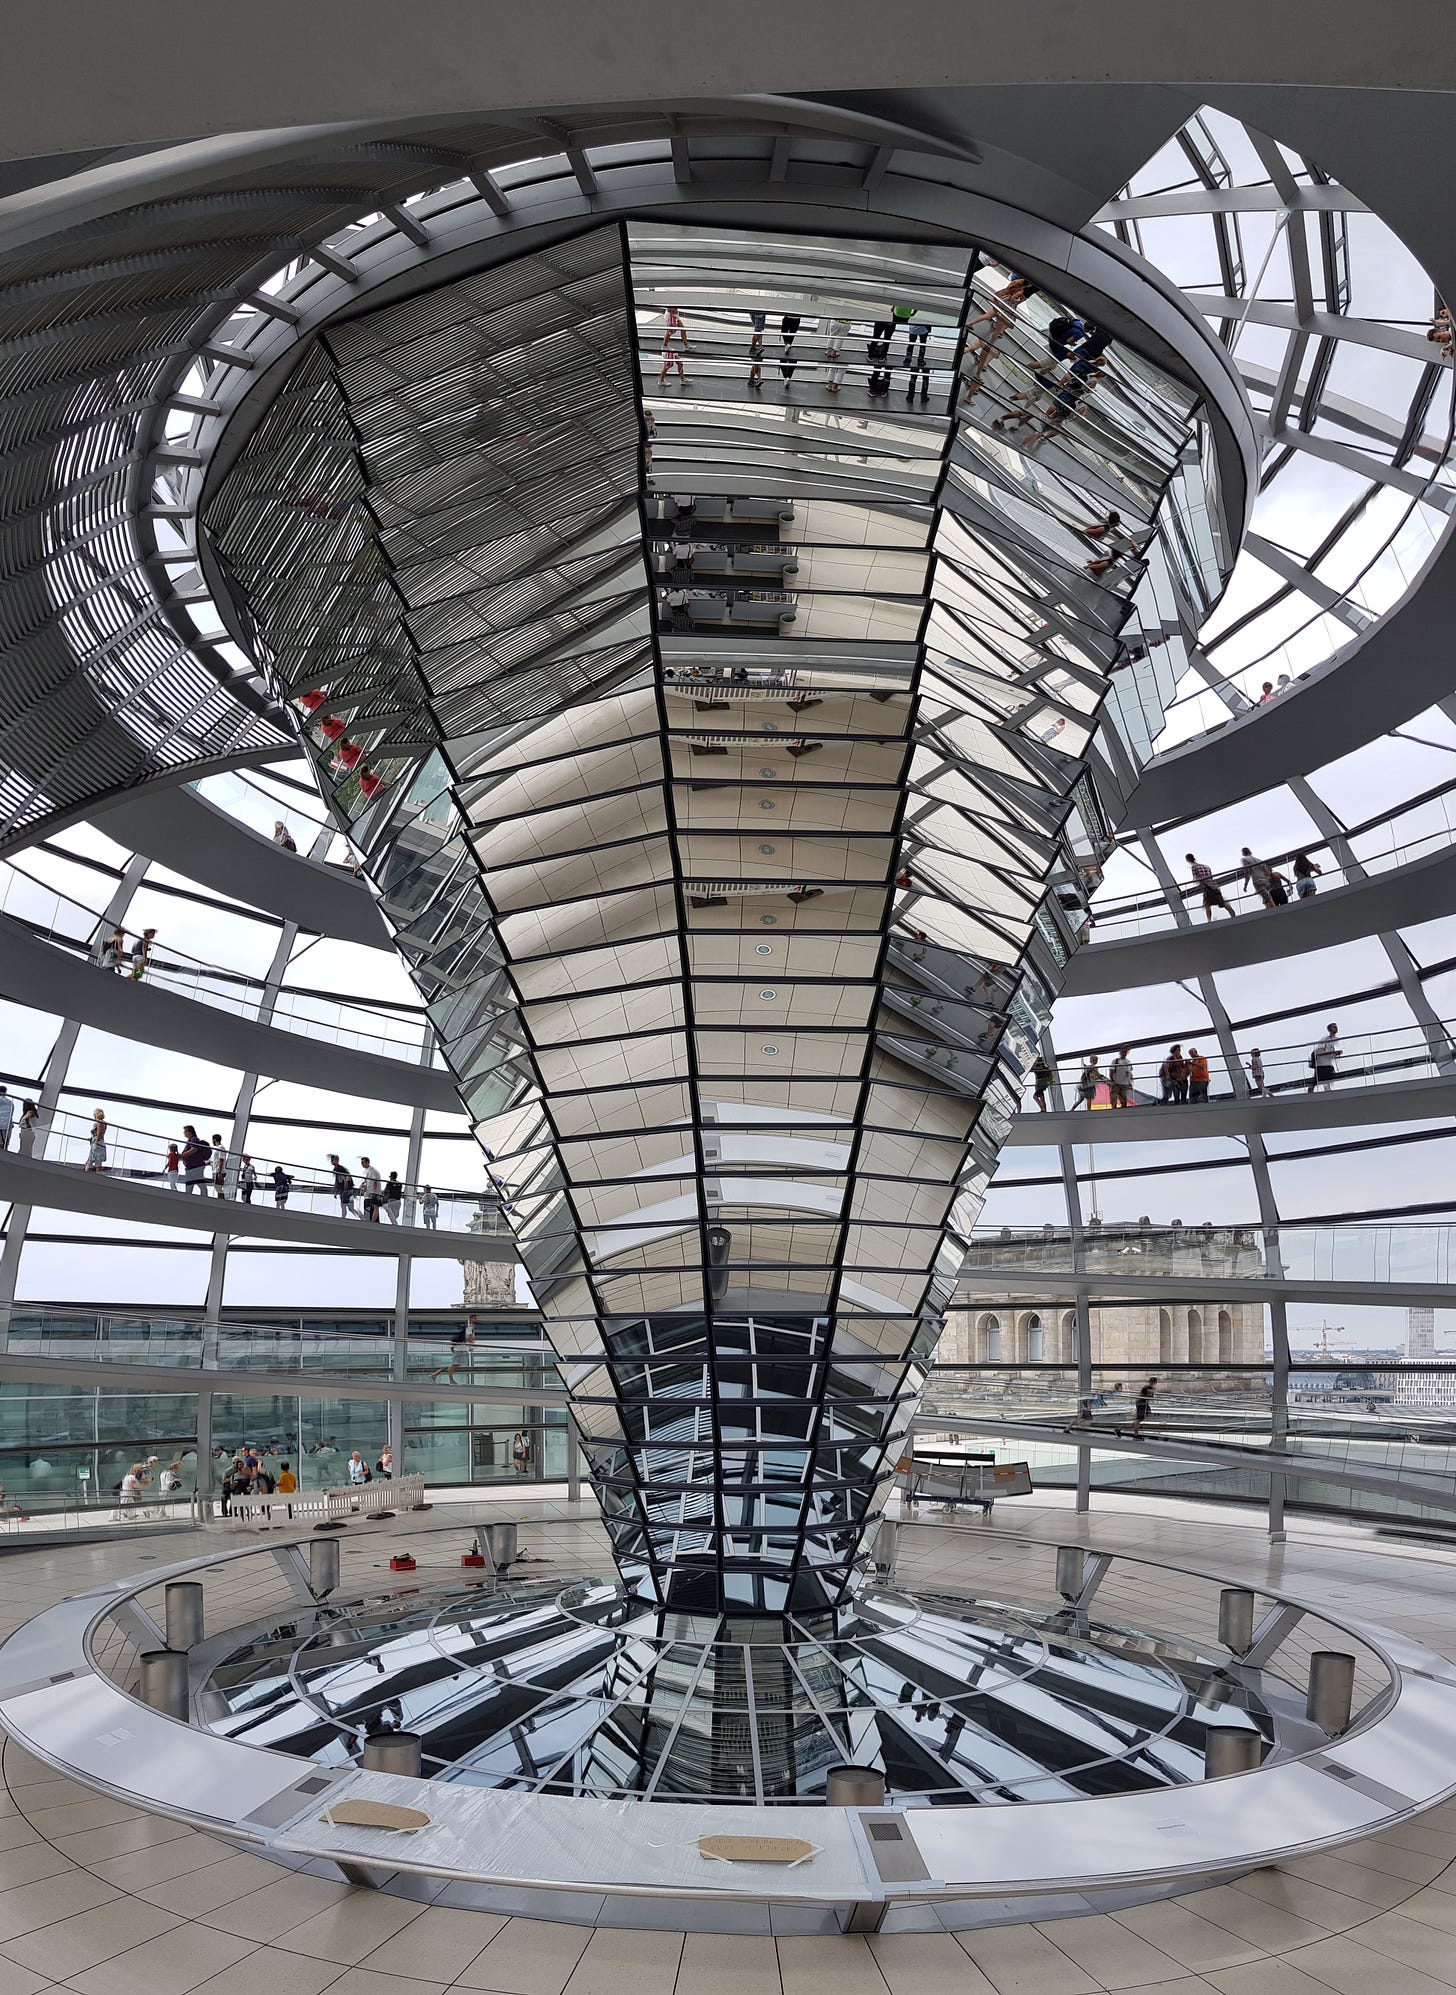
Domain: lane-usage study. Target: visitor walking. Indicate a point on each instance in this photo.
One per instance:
(195, 1154)
(1144, 1405)
(1256, 1071)
(1173, 1075)
(384, 1467)
(358, 1470)
(521, 1453)
(29, 1118)
(247, 1180)
(1323, 1059)
(282, 1186)
(219, 1165)
(343, 1187)
(1090, 1081)
(141, 954)
(1305, 873)
(1120, 1078)
(462, 1343)
(430, 1209)
(172, 1167)
(113, 951)
(1268, 884)
(1197, 1075)
(834, 332)
(1209, 887)
(390, 1197)
(7, 1117)
(1042, 1077)
(282, 836)
(96, 1142)
(369, 1188)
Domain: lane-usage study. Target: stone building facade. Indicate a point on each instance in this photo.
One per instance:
(991, 1328)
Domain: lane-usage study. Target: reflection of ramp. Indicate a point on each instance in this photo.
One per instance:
(977, 1483)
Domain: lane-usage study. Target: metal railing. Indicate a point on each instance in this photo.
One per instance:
(56, 918)
(140, 1156)
(1367, 1059)
(1376, 851)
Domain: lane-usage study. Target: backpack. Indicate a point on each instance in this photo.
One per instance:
(1314, 1059)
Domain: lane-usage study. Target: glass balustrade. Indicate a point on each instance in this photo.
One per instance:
(362, 1028)
(1367, 1059)
(140, 1156)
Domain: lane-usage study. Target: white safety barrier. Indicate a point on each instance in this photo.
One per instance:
(406, 1492)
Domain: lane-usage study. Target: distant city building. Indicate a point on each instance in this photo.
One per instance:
(1420, 1333)
(1433, 1391)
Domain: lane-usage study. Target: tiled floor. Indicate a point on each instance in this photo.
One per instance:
(102, 1900)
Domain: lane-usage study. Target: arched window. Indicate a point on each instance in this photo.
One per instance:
(1165, 1338)
(1225, 1338)
(1034, 1342)
(1195, 1337)
(991, 1329)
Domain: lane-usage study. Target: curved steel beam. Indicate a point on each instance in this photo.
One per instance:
(183, 831)
(1418, 892)
(50, 978)
(1236, 1115)
(63, 1188)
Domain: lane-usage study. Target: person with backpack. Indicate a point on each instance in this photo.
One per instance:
(461, 1344)
(1323, 1058)
(195, 1155)
(1090, 1082)
(343, 1187)
(282, 1186)
(1042, 1077)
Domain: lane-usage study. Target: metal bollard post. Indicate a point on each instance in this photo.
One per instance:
(392, 1752)
(1069, 1571)
(184, 1613)
(498, 1541)
(1230, 1749)
(1331, 1691)
(164, 1682)
(854, 1787)
(323, 1565)
(1236, 1619)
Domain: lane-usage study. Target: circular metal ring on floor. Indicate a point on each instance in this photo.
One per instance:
(62, 1697)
